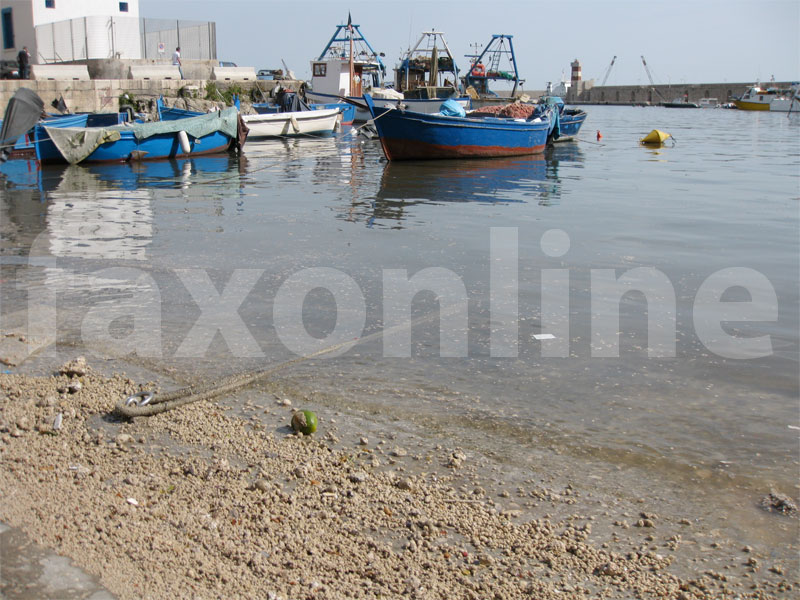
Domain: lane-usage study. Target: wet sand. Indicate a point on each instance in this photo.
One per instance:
(223, 500)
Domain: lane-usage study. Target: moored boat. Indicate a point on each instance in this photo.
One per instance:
(202, 134)
(408, 135)
(348, 110)
(680, 103)
(347, 67)
(570, 119)
(771, 99)
(429, 74)
(305, 122)
(708, 103)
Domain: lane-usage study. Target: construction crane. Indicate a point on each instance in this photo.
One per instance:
(608, 71)
(650, 77)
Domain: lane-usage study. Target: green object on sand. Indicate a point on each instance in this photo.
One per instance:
(304, 421)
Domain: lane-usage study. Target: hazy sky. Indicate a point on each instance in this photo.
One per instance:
(697, 41)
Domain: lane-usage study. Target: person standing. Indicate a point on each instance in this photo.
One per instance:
(24, 60)
(176, 60)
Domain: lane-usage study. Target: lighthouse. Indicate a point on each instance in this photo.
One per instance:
(576, 74)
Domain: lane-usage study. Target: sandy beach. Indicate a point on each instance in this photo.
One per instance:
(223, 500)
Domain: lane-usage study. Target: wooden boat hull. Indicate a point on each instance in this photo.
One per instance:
(570, 125)
(775, 105)
(744, 105)
(348, 110)
(407, 135)
(151, 145)
(309, 122)
(157, 147)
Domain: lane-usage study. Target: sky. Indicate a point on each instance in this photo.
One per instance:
(698, 41)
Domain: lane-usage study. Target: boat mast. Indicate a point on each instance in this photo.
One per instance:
(450, 54)
(350, 85)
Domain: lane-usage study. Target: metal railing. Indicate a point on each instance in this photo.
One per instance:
(104, 37)
(196, 39)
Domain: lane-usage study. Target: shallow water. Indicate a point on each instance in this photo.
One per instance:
(725, 196)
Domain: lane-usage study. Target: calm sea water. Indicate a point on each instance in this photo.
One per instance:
(208, 243)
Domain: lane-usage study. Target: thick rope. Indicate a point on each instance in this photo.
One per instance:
(197, 393)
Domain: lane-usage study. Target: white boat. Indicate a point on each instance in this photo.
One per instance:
(771, 99)
(347, 67)
(307, 122)
(708, 103)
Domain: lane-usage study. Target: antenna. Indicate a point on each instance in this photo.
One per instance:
(475, 48)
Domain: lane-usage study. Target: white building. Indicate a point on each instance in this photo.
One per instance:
(70, 30)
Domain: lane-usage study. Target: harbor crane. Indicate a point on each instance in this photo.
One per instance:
(608, 71)
(650, 77)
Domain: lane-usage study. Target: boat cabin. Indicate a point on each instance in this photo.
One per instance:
(348, 66)
(428, 69)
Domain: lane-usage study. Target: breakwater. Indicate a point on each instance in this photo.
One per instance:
(585, 93)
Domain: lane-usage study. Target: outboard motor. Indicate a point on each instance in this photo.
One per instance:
(22, 113)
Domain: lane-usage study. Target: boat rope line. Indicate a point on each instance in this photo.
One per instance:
(148, 403)
(590, 142)
(355, 130)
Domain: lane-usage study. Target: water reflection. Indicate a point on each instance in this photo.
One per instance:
(102, 224)
(19, 175)
(406, 184)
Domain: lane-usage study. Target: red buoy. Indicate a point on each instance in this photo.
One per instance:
(599, 135)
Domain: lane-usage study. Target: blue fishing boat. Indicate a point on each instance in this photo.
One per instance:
(23, 112)
(193, 135)
(407, 135)
(570, 119)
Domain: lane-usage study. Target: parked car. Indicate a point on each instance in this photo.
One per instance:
(269, 74)
(9, 69)
(225, 63)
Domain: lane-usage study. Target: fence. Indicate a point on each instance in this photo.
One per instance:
(160, 37)
(88, 38)
(124, 37)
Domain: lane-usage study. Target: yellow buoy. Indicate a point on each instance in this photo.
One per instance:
(656, 137)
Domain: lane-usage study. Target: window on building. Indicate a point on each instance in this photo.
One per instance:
(123, 7)
(49, 3)
(8, 29)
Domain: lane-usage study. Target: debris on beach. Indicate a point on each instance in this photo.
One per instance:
(75, 368)
(304, 421)
(781, 503)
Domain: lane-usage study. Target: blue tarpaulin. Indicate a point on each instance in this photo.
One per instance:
(451, 108)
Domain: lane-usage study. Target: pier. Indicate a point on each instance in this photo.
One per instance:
(585, 93)
(103, 95)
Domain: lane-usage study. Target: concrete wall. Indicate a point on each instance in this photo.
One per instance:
(29, 14)
(119, 68)
(102, 95)
(22, 18)
(64, 10)
(640, 94)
